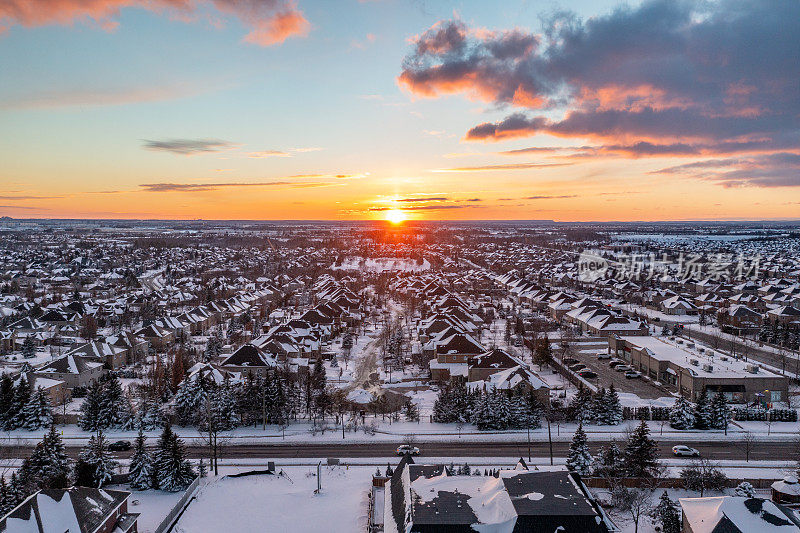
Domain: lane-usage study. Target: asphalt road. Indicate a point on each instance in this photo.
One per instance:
(715, 450)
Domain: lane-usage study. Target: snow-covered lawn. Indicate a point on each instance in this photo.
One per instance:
(153, 506)
(281, 503)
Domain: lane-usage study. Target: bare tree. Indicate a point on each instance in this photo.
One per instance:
(747, 444)
(636, 502)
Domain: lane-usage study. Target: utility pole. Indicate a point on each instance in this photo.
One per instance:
(550, 438)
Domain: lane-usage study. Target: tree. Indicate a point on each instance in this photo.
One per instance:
(189, 400)
(37, 413)
(748, 444)
(29, 347)
(90, 417)
(633, 502)
(22, 395)
(582, 406)
(151, 415)
(611, 414)
(115, 408)
(411, 411)
(720, 412)
(140, 471)
(667, 515)
(703, 475)
(173, 470)
(702, 411)
(641, 453)
(6, 400)
(95, 466)
(47, 467)
(745, 490)
(609, 462)
(681, 416)
(579, 459)
(544, 352)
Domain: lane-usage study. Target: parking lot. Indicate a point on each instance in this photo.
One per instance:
(586, 352)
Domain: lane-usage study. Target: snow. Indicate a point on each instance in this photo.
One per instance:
(153, 506)
(703, 514)
(279, 503)
(56, 516)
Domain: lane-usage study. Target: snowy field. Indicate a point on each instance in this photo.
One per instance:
(282, 503)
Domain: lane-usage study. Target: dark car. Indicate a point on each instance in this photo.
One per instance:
(120, 446)
(569, 361)
(587, 374)
(577, 367)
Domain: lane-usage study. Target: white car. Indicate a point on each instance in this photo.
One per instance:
(406, 449)
(684, 451)
(604, 355)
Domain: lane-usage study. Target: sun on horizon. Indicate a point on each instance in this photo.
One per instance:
(395, 216)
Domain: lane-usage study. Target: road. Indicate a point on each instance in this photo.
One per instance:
(715, 450)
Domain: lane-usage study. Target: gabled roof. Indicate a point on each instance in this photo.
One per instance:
(250, 356)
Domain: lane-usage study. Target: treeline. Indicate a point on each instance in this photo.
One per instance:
(494, 410)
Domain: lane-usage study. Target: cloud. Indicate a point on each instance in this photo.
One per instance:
(188, 146)
(426, 199)
(509, 166)
(205, 187)
(424, 207)
(268, 21)
(96, 97)
(780, 169)
(268, 153)
(685, 78)
(28, 197)
(550, 197)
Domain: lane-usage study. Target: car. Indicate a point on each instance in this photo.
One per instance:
(587, 374)
(681, 450)
(632, 374)
(120, 446)
(407, 449)
(569, 361)
(577, 367)
(615, 363)
(604, 355)
(622, 368)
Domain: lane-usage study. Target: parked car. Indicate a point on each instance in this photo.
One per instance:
(120, 446)
(632, 374)
(684, 451)
(616, 363)
(587, 374)
(407, 449)
(622, 368)
(577, 367)
(604, 355)
(569, 361)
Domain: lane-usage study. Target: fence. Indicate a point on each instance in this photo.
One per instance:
(670, 483)
(166, 525)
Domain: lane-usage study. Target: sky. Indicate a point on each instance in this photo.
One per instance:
(418, 109)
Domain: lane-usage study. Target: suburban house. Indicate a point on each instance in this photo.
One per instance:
(72, 510)
(428, 498)
(113, 357)
(73, 369)
(249, 361)
(736, 514)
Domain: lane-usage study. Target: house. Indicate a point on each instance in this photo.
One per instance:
(112, 356)
(72, 510)
(678, 305)
(249, 361)
(739, 319)
(427, 498)
(736, 514)
(73, 369)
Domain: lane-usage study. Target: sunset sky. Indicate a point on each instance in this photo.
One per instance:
(348, 109)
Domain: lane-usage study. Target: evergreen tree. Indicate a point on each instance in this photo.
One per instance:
(37, 413)
(6, 503)
(667, 515)
(579, 459)
(173, 470)
(202, 471)
(47, 467)
(140, 470)
(6, 400)
(641, 453)
(318, 378)
(411, 411)
(681, 416)
(612, 408)
(609, 462)
(95, 466)
(502, 409)
(702, 412)
(190, 398)
(151, 415)
(581, 408)
(115, 408)
(745, 489)
(90, 412)
(598, 406)
(29, 347)
(720, 412)
(16, 492)
(22, 395)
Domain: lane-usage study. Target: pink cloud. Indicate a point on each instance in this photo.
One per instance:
(269, 21)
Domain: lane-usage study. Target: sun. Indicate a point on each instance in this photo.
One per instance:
(395, 216)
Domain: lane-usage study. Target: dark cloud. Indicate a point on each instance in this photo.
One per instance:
(425, 207)
(188, 146)
(427, 199)
(687, 78)
(780, 169)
